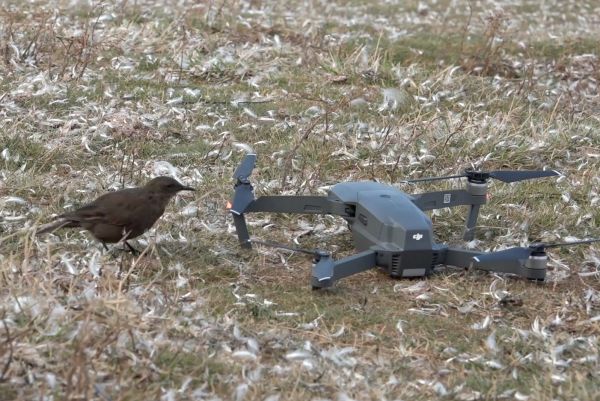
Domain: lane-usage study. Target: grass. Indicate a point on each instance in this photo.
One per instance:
(89, 103)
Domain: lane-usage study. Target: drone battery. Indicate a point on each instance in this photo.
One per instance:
(408, 263)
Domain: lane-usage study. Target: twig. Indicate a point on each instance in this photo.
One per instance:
(10, 349)
(288, 161)
(87, 55)
(466, 30)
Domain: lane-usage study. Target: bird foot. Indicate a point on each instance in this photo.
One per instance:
(128, 248)
(133, 251)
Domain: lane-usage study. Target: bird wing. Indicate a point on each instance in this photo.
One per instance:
(116, 208)
(87, 213)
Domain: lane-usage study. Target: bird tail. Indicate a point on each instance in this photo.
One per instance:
(55, 225)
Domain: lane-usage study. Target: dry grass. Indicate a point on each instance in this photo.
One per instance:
(97, 96)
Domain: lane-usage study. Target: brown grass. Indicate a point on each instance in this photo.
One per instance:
(94, 98)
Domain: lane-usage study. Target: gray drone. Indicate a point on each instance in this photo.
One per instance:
(390, 229)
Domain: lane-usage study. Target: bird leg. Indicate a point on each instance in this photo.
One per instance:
(133, 251)
(105, 247)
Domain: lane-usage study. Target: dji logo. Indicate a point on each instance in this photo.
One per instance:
(417, 236)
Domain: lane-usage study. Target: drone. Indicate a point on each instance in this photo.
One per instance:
(390, 228)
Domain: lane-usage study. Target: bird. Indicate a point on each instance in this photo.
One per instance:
(121, 215)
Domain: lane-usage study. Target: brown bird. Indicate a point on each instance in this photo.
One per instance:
(121, 215)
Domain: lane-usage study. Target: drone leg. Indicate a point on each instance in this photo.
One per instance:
(242, 230)
(327, 271)
(471, 221)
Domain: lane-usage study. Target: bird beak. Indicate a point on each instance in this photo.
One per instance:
(184, 188)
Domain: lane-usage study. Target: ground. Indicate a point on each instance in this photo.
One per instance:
(96, 96)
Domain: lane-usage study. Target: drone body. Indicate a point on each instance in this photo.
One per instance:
(383, 215)
(390, 228)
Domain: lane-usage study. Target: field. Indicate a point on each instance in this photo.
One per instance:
(96, 96)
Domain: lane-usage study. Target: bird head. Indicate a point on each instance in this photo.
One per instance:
(167, 186)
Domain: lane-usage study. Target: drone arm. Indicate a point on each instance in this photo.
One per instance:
(286, 204)
(459, 257)
(533, 268)
(299, 204)
(530, 267)
(354, 264)
(326, 271)
(475, 195)
(441, 199)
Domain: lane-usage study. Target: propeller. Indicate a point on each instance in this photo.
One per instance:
(501, 175)
(245, 168)
(243, 189)
(542, 246)
(516, 175)
(514, 256)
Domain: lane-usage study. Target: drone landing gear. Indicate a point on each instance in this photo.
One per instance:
(469, 233)
(326, 271)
